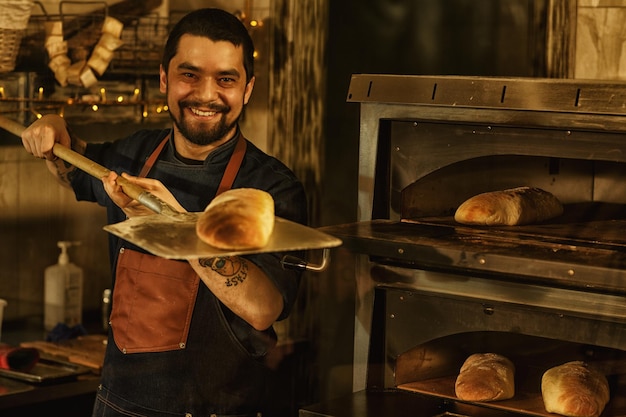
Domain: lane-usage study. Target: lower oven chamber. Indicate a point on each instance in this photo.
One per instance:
(425, 324)
(430, 291)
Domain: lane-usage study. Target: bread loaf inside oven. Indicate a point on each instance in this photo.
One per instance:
(485, 377)
(574, 389)
(511, 207)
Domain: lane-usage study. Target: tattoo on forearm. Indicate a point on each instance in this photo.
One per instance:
(233, 269)
(65, 170)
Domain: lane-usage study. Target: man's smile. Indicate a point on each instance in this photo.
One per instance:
(203, 113)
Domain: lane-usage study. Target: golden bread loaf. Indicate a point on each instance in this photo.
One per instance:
(237, 219)
(511, 207)
(485, 377)
(574, 389)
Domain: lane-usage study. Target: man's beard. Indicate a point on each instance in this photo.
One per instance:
(203, 135)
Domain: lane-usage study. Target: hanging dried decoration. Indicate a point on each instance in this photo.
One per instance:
(83, 71)
(14, 16)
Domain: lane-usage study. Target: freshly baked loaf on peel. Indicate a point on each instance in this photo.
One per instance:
(511, 207)
(485, 377)
(574, 389)
(237, 219)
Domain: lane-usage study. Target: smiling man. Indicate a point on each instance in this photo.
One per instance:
(187, 338)
(207, 85)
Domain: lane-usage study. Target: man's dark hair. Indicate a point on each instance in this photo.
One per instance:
(217, 25)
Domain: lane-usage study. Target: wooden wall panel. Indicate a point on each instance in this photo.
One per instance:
(297, 85)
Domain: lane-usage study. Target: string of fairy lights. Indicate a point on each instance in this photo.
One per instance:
(40, 104)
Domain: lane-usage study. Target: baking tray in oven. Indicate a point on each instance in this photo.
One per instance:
(569, 252)
(524, 402)
(597, 225)
(398, 403)
(431, 368)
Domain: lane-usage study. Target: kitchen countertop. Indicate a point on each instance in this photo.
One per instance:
(71, 394)
(31, 395)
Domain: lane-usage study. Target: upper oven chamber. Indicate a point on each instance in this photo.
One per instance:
(427, 144)
(472, 134)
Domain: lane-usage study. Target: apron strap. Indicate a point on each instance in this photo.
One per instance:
(229, 173)
(153, 157)
(233, 166)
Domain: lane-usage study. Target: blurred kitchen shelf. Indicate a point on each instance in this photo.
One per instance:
(116, 100)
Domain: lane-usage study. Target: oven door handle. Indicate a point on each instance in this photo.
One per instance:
(293, 262)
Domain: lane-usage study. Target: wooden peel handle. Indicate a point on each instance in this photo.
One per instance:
(135, 192)
(79, 161)
(98, 171)
(95, 170)
(11, 126)
(60, 151)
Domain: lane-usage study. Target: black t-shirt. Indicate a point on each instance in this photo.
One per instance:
(194, 186)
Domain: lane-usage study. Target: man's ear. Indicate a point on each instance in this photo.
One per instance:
(162, 80)
(248, 92)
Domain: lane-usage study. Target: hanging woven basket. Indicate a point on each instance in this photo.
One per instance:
(14, 16)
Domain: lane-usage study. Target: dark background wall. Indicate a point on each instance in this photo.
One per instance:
(427, 37)
(421, 37)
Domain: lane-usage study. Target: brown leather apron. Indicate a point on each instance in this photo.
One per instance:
(153, 298)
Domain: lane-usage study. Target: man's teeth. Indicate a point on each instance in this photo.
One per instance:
(203, 113)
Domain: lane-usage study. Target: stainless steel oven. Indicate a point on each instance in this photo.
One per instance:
(431, 291)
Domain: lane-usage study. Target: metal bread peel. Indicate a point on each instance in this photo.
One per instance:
(171, 234)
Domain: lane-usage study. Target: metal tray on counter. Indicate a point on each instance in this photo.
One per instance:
(47, 370)
(10, 386)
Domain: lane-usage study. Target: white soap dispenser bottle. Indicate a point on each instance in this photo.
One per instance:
(63, 291)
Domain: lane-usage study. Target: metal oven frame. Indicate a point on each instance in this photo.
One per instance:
(405, 281)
